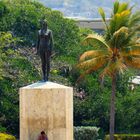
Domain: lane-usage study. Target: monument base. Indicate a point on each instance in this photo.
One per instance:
(46, 107)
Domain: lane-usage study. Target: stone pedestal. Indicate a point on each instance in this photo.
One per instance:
(46, 106)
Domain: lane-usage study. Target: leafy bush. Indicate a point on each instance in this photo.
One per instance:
(6, 137)
(125, 137)
(15, 71)
(3, 8)
(85, 133)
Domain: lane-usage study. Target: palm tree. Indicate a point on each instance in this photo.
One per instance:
(114, 52)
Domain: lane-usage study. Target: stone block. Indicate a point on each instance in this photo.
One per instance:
(46, 106)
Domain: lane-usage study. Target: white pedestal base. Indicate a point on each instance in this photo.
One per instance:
(46, 106)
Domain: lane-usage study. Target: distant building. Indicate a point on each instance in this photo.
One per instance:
(95, 24)
(134, 81)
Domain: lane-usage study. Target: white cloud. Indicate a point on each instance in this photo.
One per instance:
(85, 8)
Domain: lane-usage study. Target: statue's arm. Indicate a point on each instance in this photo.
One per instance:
(38, 41)
(52, 41)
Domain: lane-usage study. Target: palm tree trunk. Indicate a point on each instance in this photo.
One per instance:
(112, 109)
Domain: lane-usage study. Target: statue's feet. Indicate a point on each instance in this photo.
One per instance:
(45, 79)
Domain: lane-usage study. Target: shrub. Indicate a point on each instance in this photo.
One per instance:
(14, 70)
(85, 133)
(125, 137)
(6, 137)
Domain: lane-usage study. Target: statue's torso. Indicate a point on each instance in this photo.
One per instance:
(45, 40)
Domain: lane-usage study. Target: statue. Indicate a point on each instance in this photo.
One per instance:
(44, 48)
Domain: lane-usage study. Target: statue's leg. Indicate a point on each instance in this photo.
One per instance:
(43, 62)
(48, 62)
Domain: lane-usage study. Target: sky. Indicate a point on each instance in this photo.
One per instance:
(86, 9)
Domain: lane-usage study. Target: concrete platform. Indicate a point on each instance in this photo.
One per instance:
(46, 106)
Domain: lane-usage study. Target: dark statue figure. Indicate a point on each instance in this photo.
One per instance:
(44, 48)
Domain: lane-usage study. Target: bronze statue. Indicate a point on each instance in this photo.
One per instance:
(44, 48)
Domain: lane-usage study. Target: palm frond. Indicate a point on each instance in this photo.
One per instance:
(119, 38)
(131, 51)
(92, 62)
(119, 20)
(122, 7)
(102, 13)
(116, 7)
(134, 31)
(96, 67)
(93, 54)
(113, 68)
(134, 20)
(138, 40)
(95, 40)
(123, 14)
(107, 71)
(132, 62)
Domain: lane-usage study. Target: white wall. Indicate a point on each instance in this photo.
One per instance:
(92, 24)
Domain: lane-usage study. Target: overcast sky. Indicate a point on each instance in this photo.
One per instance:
(84, 8)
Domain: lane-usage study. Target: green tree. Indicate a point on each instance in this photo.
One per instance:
(114, 52)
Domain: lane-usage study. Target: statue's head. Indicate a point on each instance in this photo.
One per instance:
(44, 24)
